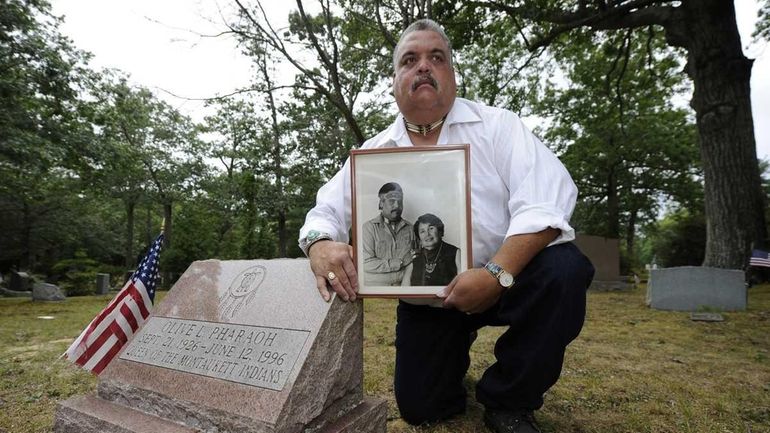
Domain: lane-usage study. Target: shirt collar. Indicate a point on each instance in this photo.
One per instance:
(461, 112)
(381, 220)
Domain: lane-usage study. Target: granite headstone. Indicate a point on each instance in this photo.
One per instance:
(46, 292)
(693, 288)
(102, 284)
(237, 346)
(604, 254)
(19, 281)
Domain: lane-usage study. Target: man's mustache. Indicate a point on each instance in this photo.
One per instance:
(423, 80)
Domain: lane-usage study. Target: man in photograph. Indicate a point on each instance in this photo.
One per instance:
(387, 239)
(527, 275)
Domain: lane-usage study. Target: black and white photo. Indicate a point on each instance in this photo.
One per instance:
(410, 219)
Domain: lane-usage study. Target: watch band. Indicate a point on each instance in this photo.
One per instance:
(312, 237)
(504, 278)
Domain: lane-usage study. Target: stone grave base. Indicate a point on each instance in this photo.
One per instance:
(609, 286)
(91, 414)
(694, 288)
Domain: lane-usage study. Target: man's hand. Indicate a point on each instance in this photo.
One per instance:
(473, 291)
(329, 256)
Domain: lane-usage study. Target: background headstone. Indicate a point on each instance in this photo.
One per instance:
(15, 294)
(102, 284)
(604, 254)
(237, 346)
(46, 292)
(693, 288)
(19, 281)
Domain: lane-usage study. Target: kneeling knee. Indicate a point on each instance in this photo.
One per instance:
(418, 411)
(413, 412)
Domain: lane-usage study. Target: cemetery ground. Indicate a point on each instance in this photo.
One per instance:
(632, 369)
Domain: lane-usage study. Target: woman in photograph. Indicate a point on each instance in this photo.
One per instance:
(435, 262)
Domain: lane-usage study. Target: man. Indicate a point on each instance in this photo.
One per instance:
(388, 240)
(527, 275)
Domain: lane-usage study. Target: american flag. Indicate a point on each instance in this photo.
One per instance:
(115, 325)
(759, 258)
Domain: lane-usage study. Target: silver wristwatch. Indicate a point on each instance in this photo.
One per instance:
(503, 277)
(312, 237)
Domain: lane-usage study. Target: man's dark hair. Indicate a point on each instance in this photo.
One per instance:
(431, 220)
(388, 187)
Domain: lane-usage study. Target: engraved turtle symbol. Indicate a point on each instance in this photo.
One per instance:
(242, 290)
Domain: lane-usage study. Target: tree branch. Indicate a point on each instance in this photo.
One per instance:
(388, 36)
(620, 14)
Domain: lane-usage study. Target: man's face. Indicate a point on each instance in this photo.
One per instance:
(392, 205)
(424, 78)
(429, 236)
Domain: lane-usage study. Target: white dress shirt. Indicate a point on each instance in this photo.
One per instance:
(518, 185)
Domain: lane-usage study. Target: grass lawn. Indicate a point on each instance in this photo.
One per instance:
(631, 370)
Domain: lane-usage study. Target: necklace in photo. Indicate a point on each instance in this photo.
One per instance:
(430, 266)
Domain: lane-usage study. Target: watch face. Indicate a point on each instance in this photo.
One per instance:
(506, 279)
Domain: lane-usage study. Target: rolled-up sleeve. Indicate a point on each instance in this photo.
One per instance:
(332, 213)
(542, 193)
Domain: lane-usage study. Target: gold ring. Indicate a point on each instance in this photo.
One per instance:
(331, 276)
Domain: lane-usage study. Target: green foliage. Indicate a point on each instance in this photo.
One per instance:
(40, 72)
(763, 23)
(679, 239)
(497, 69)
(42, 132)
(92, 162)
(77, 276)
(615, 128)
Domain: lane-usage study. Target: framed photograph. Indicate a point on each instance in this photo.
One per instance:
(411, 219)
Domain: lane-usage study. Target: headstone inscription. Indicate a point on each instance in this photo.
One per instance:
(102, 284)
(693, 288)
(237, 346)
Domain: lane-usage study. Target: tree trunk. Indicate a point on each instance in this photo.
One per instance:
(613, 204)
(282, 235)
(722, 103)
(278, 155)
(129, 258)
(167, 227)
(26, 238)
(630, 236)
(148, 232)
(248, 247)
